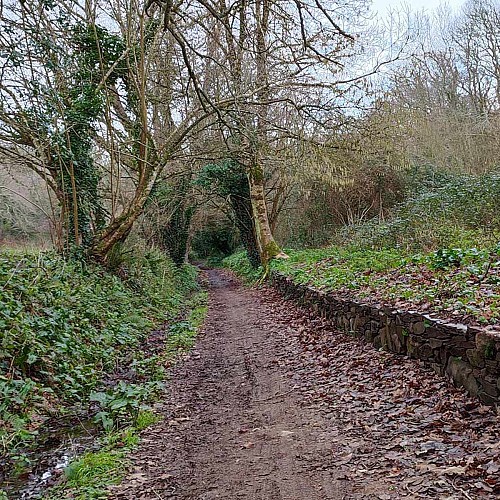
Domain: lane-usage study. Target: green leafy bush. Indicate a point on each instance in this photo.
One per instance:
(123, 402)
(445, 258)
(65, 324)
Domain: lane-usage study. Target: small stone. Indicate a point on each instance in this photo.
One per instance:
(487, 399)
(461, 374)
(435, 343)
(418, 328)
(439, 333)
(425, 352)
(475, 358)
(492, 365)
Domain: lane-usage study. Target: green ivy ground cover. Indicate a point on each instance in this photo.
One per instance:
(462, 284)
(64, 325)
(124, 413)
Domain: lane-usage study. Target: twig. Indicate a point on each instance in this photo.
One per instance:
(28, 200)
(456, 488)
(157, 494)
(487, 270)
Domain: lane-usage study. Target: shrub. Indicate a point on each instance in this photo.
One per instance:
(65, 324)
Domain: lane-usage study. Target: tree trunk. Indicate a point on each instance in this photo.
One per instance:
(119, 229)
(242, 207)
(116, 232)
(268, 248)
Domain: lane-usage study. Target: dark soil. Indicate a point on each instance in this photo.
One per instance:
(273, 404)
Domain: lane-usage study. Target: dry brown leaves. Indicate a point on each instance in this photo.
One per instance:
(398, 423)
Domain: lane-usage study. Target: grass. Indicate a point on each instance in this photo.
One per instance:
(94, 471)
(182, 335)
(89, 476)
(239, 263)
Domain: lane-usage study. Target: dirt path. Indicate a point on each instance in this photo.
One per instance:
(272, 405)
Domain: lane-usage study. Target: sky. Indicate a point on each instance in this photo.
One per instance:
(382, 5)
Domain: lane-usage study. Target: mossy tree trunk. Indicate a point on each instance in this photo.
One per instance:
(268, 248)
(118, 230)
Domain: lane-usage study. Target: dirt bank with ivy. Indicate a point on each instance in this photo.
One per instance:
(77, 349)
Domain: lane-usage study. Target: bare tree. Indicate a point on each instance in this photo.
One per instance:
(131, 87)
(280, 62)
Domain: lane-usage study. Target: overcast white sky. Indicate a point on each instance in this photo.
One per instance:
(382, 5)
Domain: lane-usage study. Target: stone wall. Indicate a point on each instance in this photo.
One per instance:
(469, 356)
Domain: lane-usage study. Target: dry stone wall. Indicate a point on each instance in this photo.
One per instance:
(468, 355)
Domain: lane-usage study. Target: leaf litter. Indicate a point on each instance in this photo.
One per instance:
(275, 404)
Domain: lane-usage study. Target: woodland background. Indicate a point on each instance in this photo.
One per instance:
(136, 137)
(112, 115)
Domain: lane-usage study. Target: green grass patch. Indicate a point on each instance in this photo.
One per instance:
(88, 477)
(146, 418)
(181, 335)
(92, 472)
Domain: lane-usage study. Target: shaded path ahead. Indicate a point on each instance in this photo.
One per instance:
(271, 404)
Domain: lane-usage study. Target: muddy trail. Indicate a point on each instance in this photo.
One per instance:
(273, 404)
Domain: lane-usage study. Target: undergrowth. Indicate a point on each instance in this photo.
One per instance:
(460, 211)
(239, 263)
(125, 411)
(458, 283)
(90, 475)
(67, 325)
